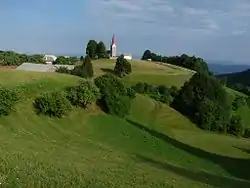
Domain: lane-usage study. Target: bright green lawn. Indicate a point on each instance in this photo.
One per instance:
(154, 147)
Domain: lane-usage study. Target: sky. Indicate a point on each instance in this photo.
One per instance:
(211, 29)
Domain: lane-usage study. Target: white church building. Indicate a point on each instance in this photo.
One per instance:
(113, 50)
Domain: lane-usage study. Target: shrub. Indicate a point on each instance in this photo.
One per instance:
(238, 102)
(77, 71)
(122, 66)
(116, 104)
(84, 93)
(204, 100)
(131, 93)
(88, 71)
(236, 127)
(8, 99)
(110, 83)
(63, 69)
(52, 103)
(247, 133)
(115, 96)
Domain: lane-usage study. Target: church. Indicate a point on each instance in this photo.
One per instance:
(113, 50)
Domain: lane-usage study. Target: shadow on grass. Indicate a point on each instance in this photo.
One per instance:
(109, 71)
(199, 176)
(243, 150)
(238, 168)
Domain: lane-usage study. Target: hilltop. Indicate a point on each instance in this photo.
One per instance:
(155, 146)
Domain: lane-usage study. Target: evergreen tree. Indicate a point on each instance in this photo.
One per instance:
(122, 66)
(91, 49)
(81, 58)
(101, 50)
(147, 55)
(87, 68)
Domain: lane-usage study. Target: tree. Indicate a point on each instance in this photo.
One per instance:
(236, 127)
(204, 100)
(101, 50)
(122, 66)
(91, 49)
(88, 71)
(81, 58)
(147, 55)
(61, 60)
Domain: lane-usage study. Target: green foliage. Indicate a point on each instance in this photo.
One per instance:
(204, 100)
(236, 126)
(10, 58)
(84, 93)
(101, 50)
(247, 133)
(116, 104)
(63, 69)
(122, 67)
(109, 83)
(8, 99)
(52, 103)
(238, 102)
(91, 49)
(191, 62)
(147, 55)
(115, 96)
(158, 92)
(85, 70)
(61, 60)
(88, 71)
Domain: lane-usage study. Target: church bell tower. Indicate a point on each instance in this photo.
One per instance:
(113, 47)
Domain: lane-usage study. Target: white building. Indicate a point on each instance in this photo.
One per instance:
(49, 59)
(113, 50)
(128, 56)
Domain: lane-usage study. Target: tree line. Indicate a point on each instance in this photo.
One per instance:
(10, 58)
(97, 50)
(190, 62)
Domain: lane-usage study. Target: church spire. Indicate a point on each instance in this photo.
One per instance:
(113, 39)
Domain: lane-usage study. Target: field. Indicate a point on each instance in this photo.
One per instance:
(154, 146)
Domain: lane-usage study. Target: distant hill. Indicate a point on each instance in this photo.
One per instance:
(237, 78)
(226, 67)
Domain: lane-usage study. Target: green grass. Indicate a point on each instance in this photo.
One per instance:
(154, 147)
(147, 72)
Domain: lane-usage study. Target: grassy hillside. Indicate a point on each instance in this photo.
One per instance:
(154, 147)
(147, 72)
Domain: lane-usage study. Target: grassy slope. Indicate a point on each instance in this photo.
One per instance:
(90, 149)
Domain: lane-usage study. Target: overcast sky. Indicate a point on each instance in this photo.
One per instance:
(213, 29)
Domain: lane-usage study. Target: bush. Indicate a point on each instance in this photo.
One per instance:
(52, 104)
(63, 69)
(110, 83)
(122, 66)
(115, 96)
(131, 93)
(116, 104)
(8, 99)
(205, 101)
(236, 127)
(157, 92)
(238, 102)
(247, 133)
(78, 71)
(84, 93)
